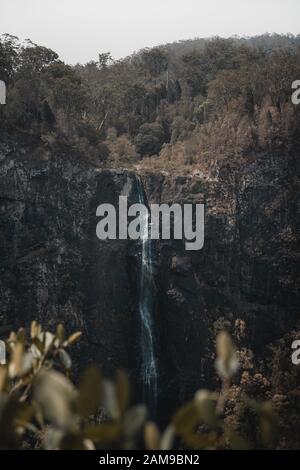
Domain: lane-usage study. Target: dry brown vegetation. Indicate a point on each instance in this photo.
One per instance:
(187, 104)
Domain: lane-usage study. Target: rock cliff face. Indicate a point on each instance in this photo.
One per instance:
(245, 279)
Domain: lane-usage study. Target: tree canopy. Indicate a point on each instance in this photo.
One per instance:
(188, 100)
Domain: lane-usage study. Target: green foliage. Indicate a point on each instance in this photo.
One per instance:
(150, 139)
(8, 57)
(155, 60)
(34, 58)
(40, 407)
(105, 59)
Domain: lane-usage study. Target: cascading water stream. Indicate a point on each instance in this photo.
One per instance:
(146, 310)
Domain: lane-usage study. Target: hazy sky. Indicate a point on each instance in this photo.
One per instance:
(79, 30)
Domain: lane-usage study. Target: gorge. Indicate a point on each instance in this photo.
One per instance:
(54, 268)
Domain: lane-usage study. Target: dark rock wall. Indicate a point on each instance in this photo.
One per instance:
(245, 279)
(53, 268)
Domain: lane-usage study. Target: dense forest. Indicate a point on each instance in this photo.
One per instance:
(181, 104)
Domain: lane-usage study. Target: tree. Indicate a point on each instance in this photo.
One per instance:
(9, 57)
(34, 58)
(105, 59)
(155, 61)
(150, 139)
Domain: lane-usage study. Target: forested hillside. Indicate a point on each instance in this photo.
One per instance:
(182, 104)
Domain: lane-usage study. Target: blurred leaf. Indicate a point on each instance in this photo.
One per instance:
(200, 441)
(104, 434)
(88, 444)
(90, 392)
(35, 330)
(226, 362)
(8, 437)
(21, 335)
(74, 338)
(52, 438)
(134, 420)
(23, 414)
(206, 404)
(26, 365)
(38, 413)
(60, 333)
(151, 436)
(48, 340)
(15, 363)
(167, 438)
(122, 390)
(110, 402)
(186, 418)
(65, 359)
(37, 348)
(3, 377)
(56, 395)
(12, 339)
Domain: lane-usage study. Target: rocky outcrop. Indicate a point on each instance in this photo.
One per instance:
(245, 279)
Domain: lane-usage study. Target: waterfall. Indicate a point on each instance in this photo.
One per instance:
(146, 310)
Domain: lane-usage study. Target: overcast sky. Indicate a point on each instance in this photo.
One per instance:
(79, 29)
